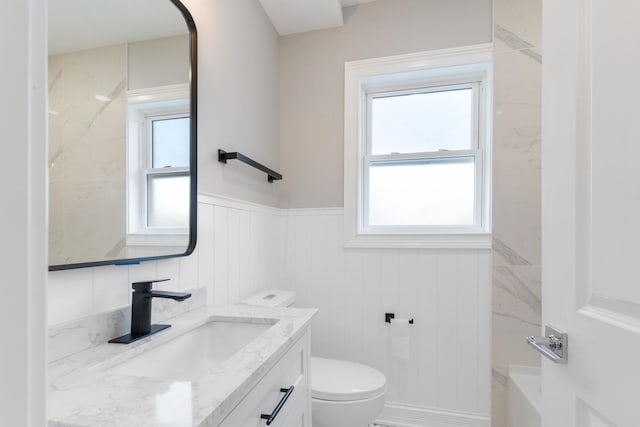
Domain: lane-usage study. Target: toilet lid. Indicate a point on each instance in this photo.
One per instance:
(342, 380)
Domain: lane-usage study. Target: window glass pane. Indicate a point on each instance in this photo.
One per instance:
(422, 122)
(168, 200)
(439, 192)
(170, 142)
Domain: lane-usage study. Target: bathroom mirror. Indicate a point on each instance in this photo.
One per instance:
(122, 131)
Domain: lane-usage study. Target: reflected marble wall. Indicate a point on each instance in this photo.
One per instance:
(87, 148)
(516, 191)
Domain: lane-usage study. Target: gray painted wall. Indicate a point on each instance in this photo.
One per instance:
(148, 65)
(312, 80)
(238, 97)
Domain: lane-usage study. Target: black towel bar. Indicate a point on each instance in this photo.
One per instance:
(223, 156)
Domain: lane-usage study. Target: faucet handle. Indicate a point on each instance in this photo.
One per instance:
(146, 285)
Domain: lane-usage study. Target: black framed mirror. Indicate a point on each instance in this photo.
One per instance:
(122, 132)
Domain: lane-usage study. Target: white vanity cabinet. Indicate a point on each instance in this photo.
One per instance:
(220, 385)
(291, 370)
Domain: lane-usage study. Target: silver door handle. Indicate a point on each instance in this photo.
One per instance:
(553, 345)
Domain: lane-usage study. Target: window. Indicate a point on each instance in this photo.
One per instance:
(167, 174)
(158, 165)
(417, 129)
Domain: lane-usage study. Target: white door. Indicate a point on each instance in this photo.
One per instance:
(591, 210)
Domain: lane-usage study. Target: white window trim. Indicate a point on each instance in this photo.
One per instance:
(423, 68)
(167, 100)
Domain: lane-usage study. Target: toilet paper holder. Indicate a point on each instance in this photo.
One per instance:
(389, 316)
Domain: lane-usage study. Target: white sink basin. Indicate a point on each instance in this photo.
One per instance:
(194, 354)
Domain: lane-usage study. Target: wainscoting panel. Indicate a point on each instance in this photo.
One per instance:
(245, 251)
(244, 247)
(447, 292)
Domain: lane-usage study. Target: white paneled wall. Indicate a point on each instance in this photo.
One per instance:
(243, 248)
(447, 292)
(237, 254)
(243, 255)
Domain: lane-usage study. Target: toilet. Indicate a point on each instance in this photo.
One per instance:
(343, 393)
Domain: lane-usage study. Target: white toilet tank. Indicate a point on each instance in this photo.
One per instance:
(271, 298)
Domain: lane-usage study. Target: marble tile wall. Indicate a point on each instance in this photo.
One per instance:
(87, 147)
(516, 192)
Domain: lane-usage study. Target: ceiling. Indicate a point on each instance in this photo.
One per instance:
(297, 16)
(92, 21)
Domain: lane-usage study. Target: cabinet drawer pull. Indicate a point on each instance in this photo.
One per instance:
(270, 418)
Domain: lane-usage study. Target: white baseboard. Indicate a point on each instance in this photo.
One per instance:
(399, 415)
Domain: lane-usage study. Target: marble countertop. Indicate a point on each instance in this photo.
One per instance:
(83, 390)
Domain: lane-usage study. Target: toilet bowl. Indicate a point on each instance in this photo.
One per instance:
(343, 393)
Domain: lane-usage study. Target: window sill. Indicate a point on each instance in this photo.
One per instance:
(168, 240)
(481, 240)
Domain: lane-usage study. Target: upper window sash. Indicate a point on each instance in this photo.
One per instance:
(147, 137)
(417, 89)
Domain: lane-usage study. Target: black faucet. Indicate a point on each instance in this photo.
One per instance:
(141, 310)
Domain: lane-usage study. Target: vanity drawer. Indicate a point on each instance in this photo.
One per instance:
(290, 370)
(298, 416)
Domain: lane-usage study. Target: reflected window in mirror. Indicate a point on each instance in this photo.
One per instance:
(168, 176)
(158, 165)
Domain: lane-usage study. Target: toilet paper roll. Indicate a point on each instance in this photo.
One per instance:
(400, 339)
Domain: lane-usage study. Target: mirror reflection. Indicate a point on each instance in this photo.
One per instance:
(121, 149)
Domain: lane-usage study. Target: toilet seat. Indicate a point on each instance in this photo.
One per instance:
(341, 380)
